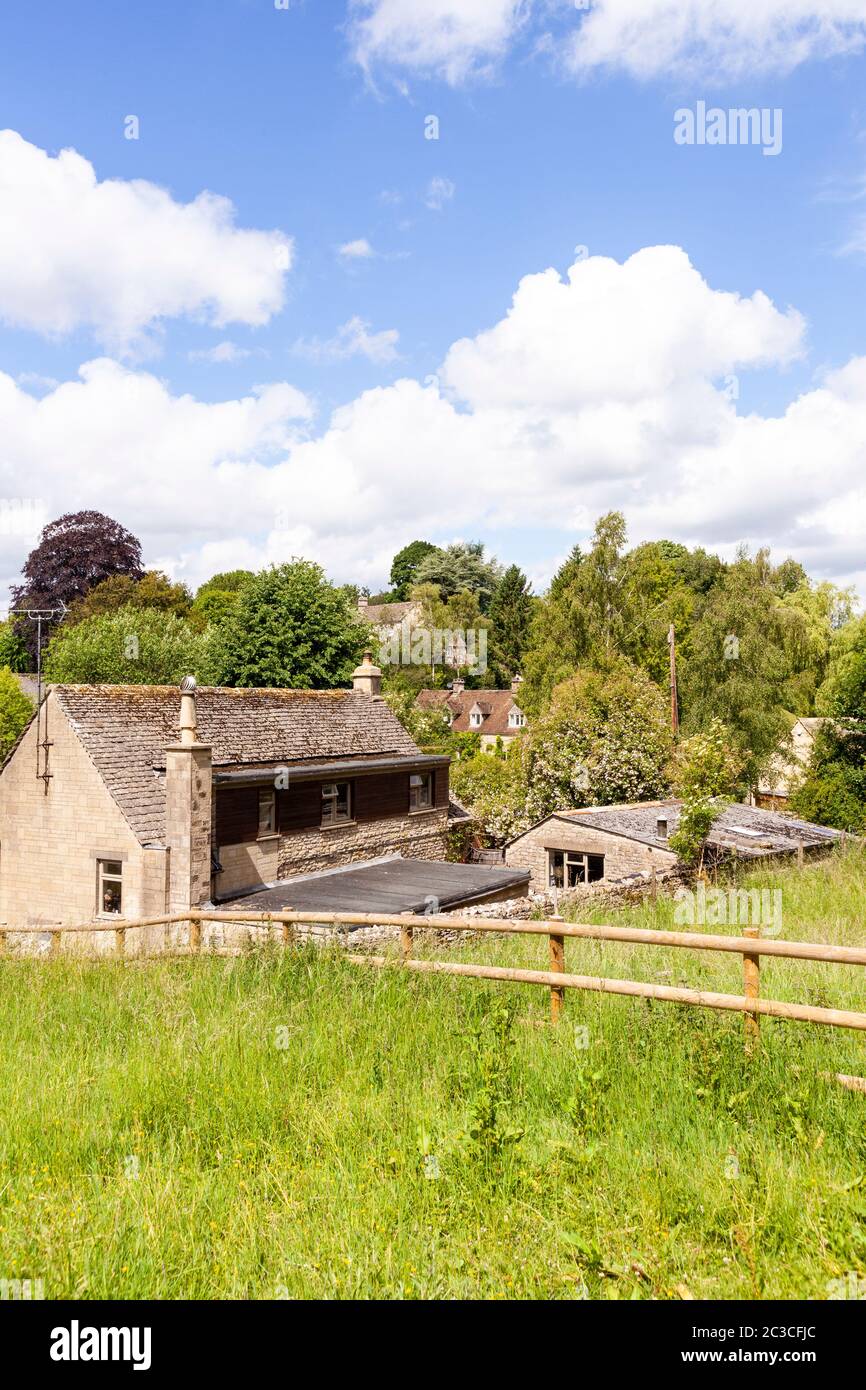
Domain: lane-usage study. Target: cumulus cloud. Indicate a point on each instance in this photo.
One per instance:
(717, 38)
(352, 339)
(612, 386)
(116, 257)
(452, 38)
(358, 250)
(458, 39)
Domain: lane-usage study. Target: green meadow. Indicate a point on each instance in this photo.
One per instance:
(285, 1124)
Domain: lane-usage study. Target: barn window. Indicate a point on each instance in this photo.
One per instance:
(109, 886)
(568, 868)
(336, 803)
(420, 791)
(267, 812)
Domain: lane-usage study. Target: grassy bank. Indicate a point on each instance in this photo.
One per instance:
(290, 1125)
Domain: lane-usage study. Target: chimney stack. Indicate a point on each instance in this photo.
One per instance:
(188, 800)
(516, 683)
(458, 685)
(367, 677)
(363, 601)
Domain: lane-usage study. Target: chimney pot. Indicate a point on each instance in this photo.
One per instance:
(188, 729)
(367, 677)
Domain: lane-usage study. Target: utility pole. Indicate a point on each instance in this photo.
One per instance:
(675, 710)
(40, 616)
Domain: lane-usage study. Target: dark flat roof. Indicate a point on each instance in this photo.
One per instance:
(397, 885)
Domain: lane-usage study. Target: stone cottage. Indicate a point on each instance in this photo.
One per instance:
(133, 801)
(611, 843)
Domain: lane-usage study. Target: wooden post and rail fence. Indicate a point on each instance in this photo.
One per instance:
(750, 946)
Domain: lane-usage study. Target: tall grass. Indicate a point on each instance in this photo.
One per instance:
(286, 1124)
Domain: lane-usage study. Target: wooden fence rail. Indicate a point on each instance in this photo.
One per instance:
(750, 947)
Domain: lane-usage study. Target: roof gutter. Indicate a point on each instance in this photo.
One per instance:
(311, 772)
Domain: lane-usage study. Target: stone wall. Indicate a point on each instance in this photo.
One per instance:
(418, 836)
(50, 843)
(622, 857)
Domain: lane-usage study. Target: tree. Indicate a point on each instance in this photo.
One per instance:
(510, 616)
(605, 739)
(833, 789)
(75, 553)
(706, 772)
(290, 627)
(216, 598)
(131, 646)
(15, 711)
(404, 567)
(13, 652)
(584, 618)
(153, 590)
(740, 664)
(458, 567)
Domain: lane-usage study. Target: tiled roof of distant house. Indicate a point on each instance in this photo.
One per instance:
(387, 614)
(494, 706)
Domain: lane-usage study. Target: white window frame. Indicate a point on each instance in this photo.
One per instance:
(421, 783)
(331, 814)
(516, 719)
(103, 877)
(574, 859)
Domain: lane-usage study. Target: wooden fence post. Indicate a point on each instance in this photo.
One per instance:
(120, 940)
(752, 990)
(3, 940)
(557, 964)
(195, 934)
(407, 939)
(56, 942)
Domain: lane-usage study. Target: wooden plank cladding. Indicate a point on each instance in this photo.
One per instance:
(375, 796)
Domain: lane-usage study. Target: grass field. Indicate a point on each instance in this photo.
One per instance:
(289, 1125)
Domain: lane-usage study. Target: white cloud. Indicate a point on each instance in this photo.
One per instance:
(117, 257)
(224, 352)
(358, 250)
(458, 39)
(717, 38)
(605, 388)
(352, 339)
(452, 38)
(439, 192)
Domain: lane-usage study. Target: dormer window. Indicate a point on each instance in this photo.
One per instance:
(516, 719)
(476, 718)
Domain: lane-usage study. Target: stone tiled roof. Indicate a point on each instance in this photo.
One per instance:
(388, 614)
(751, 831)
(495, 706)
(126, 728)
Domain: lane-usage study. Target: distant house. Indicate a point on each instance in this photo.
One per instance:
(775, 787)
(610, 843)
(387, 618)
(493, 714)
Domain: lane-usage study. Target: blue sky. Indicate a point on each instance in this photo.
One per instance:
(311, 121)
